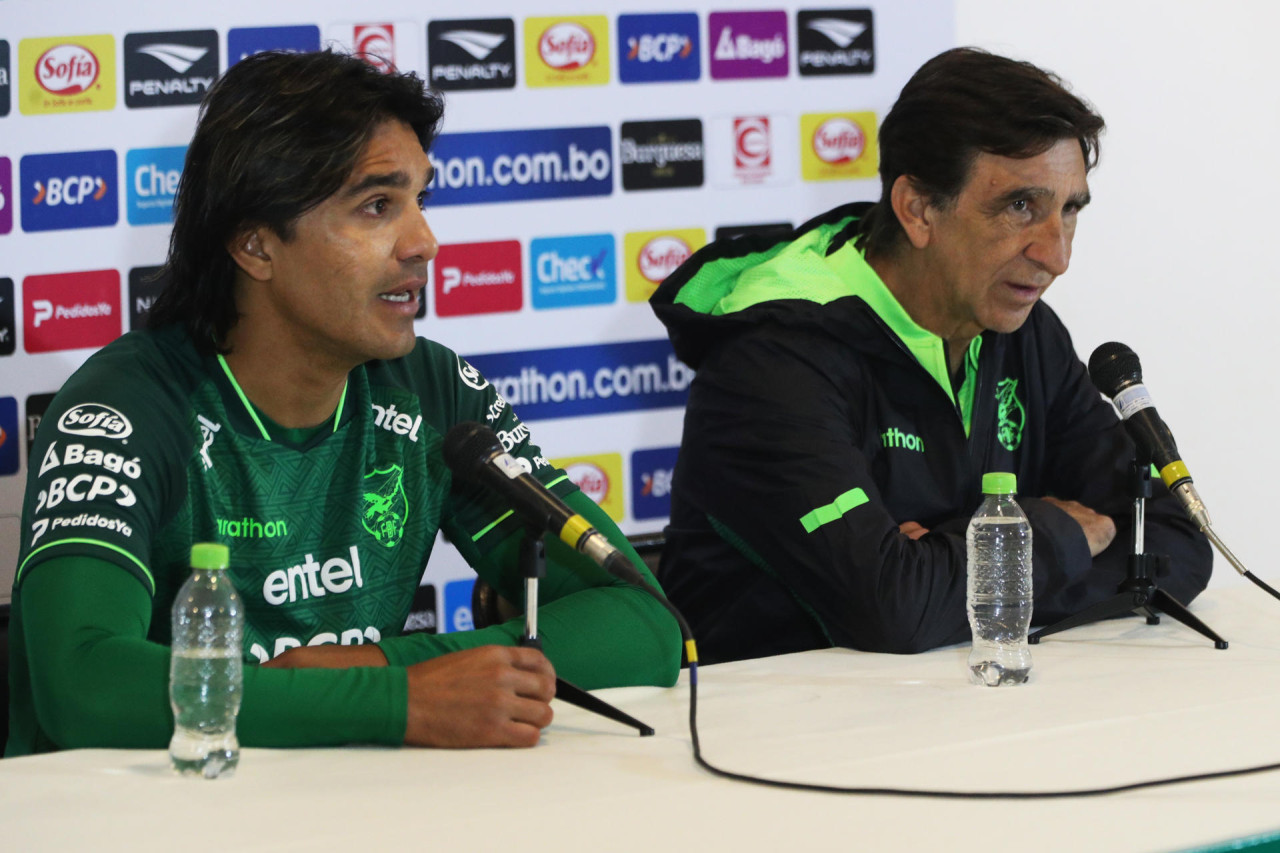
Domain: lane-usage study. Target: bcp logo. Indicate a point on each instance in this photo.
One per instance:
(651, 473)
(243, 42)
(67, 74)
(600, 478)
(658, 48)
(748, 44)
(570, 271)
(567, 51)
(6, 195)
(478, 278)
(153, 175)
(9, 440)
(838, 146)
(65, 311)
(71, 190)
(651, 256)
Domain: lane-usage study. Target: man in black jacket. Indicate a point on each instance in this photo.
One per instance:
(856, 377)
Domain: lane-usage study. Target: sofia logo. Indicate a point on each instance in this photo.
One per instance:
(839, 140)
(376, 45)
(591, 479)
(751, 142)
(660, 257)
(566, 46)
(66, 69)
(95, 419)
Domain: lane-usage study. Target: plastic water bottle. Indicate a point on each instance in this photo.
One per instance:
(999, 585)
(206, 671)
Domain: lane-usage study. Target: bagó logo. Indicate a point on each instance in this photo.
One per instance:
(658, 48)
(1011, 415)
(6, 195)
(571, 51)
(478, 278)
(748, 44)
(95, 419)
(838, 146)
(478, 53)
(71, 190)
(385, 505)
(600, 478)
(651, 256)
(67, 74)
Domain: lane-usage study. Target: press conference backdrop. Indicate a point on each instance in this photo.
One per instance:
(588, 148)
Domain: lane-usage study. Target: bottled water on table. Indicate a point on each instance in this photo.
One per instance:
(206, 669)
(999, 585)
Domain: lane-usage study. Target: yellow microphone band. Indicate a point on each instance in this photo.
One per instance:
(691, 651)
(1173, 472)
(574, 529)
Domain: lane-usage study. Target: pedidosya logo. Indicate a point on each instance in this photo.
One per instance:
(514, 165)
(841, 146)
(169, 68)
(69, 190)
(478, 278)
(6, 195)
(570, 271)
(97, 420)
(658, 48)
(76, 310)
(67, 74)
(473, 53)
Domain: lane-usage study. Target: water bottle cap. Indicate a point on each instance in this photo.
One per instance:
(209, 555)
(999, 483)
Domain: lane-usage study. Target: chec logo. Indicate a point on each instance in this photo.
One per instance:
(839, 140)
(838, 146)
(570, 51)
(95, 419)
(67, 69)
(654, 255)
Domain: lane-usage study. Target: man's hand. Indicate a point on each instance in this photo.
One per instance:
(912, 529)
(1098, 529)
(487, 696)
(329, 657)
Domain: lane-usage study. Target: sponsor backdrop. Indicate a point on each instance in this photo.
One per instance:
(588, 148)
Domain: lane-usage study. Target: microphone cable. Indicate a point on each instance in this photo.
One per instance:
(691, 655)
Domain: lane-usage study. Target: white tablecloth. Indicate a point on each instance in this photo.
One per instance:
(1107, 704)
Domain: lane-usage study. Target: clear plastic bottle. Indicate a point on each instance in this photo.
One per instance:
(206, 670)
(999, 585)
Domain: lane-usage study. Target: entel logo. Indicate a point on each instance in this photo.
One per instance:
(67, 69)
(566, 46)
(95, 419)
(660, 256)
(839, 140)
(591, 479)
(72, 189)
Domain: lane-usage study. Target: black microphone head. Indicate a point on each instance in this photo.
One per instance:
(1114, 367)
(468, 444)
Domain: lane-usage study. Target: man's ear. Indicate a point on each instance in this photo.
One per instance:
(247, 249)
(913, 210)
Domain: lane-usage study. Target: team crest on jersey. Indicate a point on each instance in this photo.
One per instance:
(385, 505)
(1011, 416)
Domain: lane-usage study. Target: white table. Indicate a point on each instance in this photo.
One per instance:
(1107, 704)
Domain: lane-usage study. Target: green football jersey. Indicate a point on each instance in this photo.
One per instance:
(151, 446)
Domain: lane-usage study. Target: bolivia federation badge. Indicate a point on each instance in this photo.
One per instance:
(385, 505)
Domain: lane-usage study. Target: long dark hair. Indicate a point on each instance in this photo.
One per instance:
(962, 102)
(278, 134)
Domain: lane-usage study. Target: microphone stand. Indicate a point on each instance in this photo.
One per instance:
(533, 565)
(1138, 592)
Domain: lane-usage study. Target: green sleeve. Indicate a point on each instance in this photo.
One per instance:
(95, 680)
(596, 630)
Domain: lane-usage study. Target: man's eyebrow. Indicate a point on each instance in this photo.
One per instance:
(396, 180)
(1033, 193)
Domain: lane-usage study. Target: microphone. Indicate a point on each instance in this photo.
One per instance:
(474, 454)
(1116, 371)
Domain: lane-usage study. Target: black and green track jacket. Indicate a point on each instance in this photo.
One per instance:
(822, 416)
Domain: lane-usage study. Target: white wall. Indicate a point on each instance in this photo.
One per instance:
(1173, 257)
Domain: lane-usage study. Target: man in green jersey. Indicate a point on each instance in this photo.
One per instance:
(281, 404)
